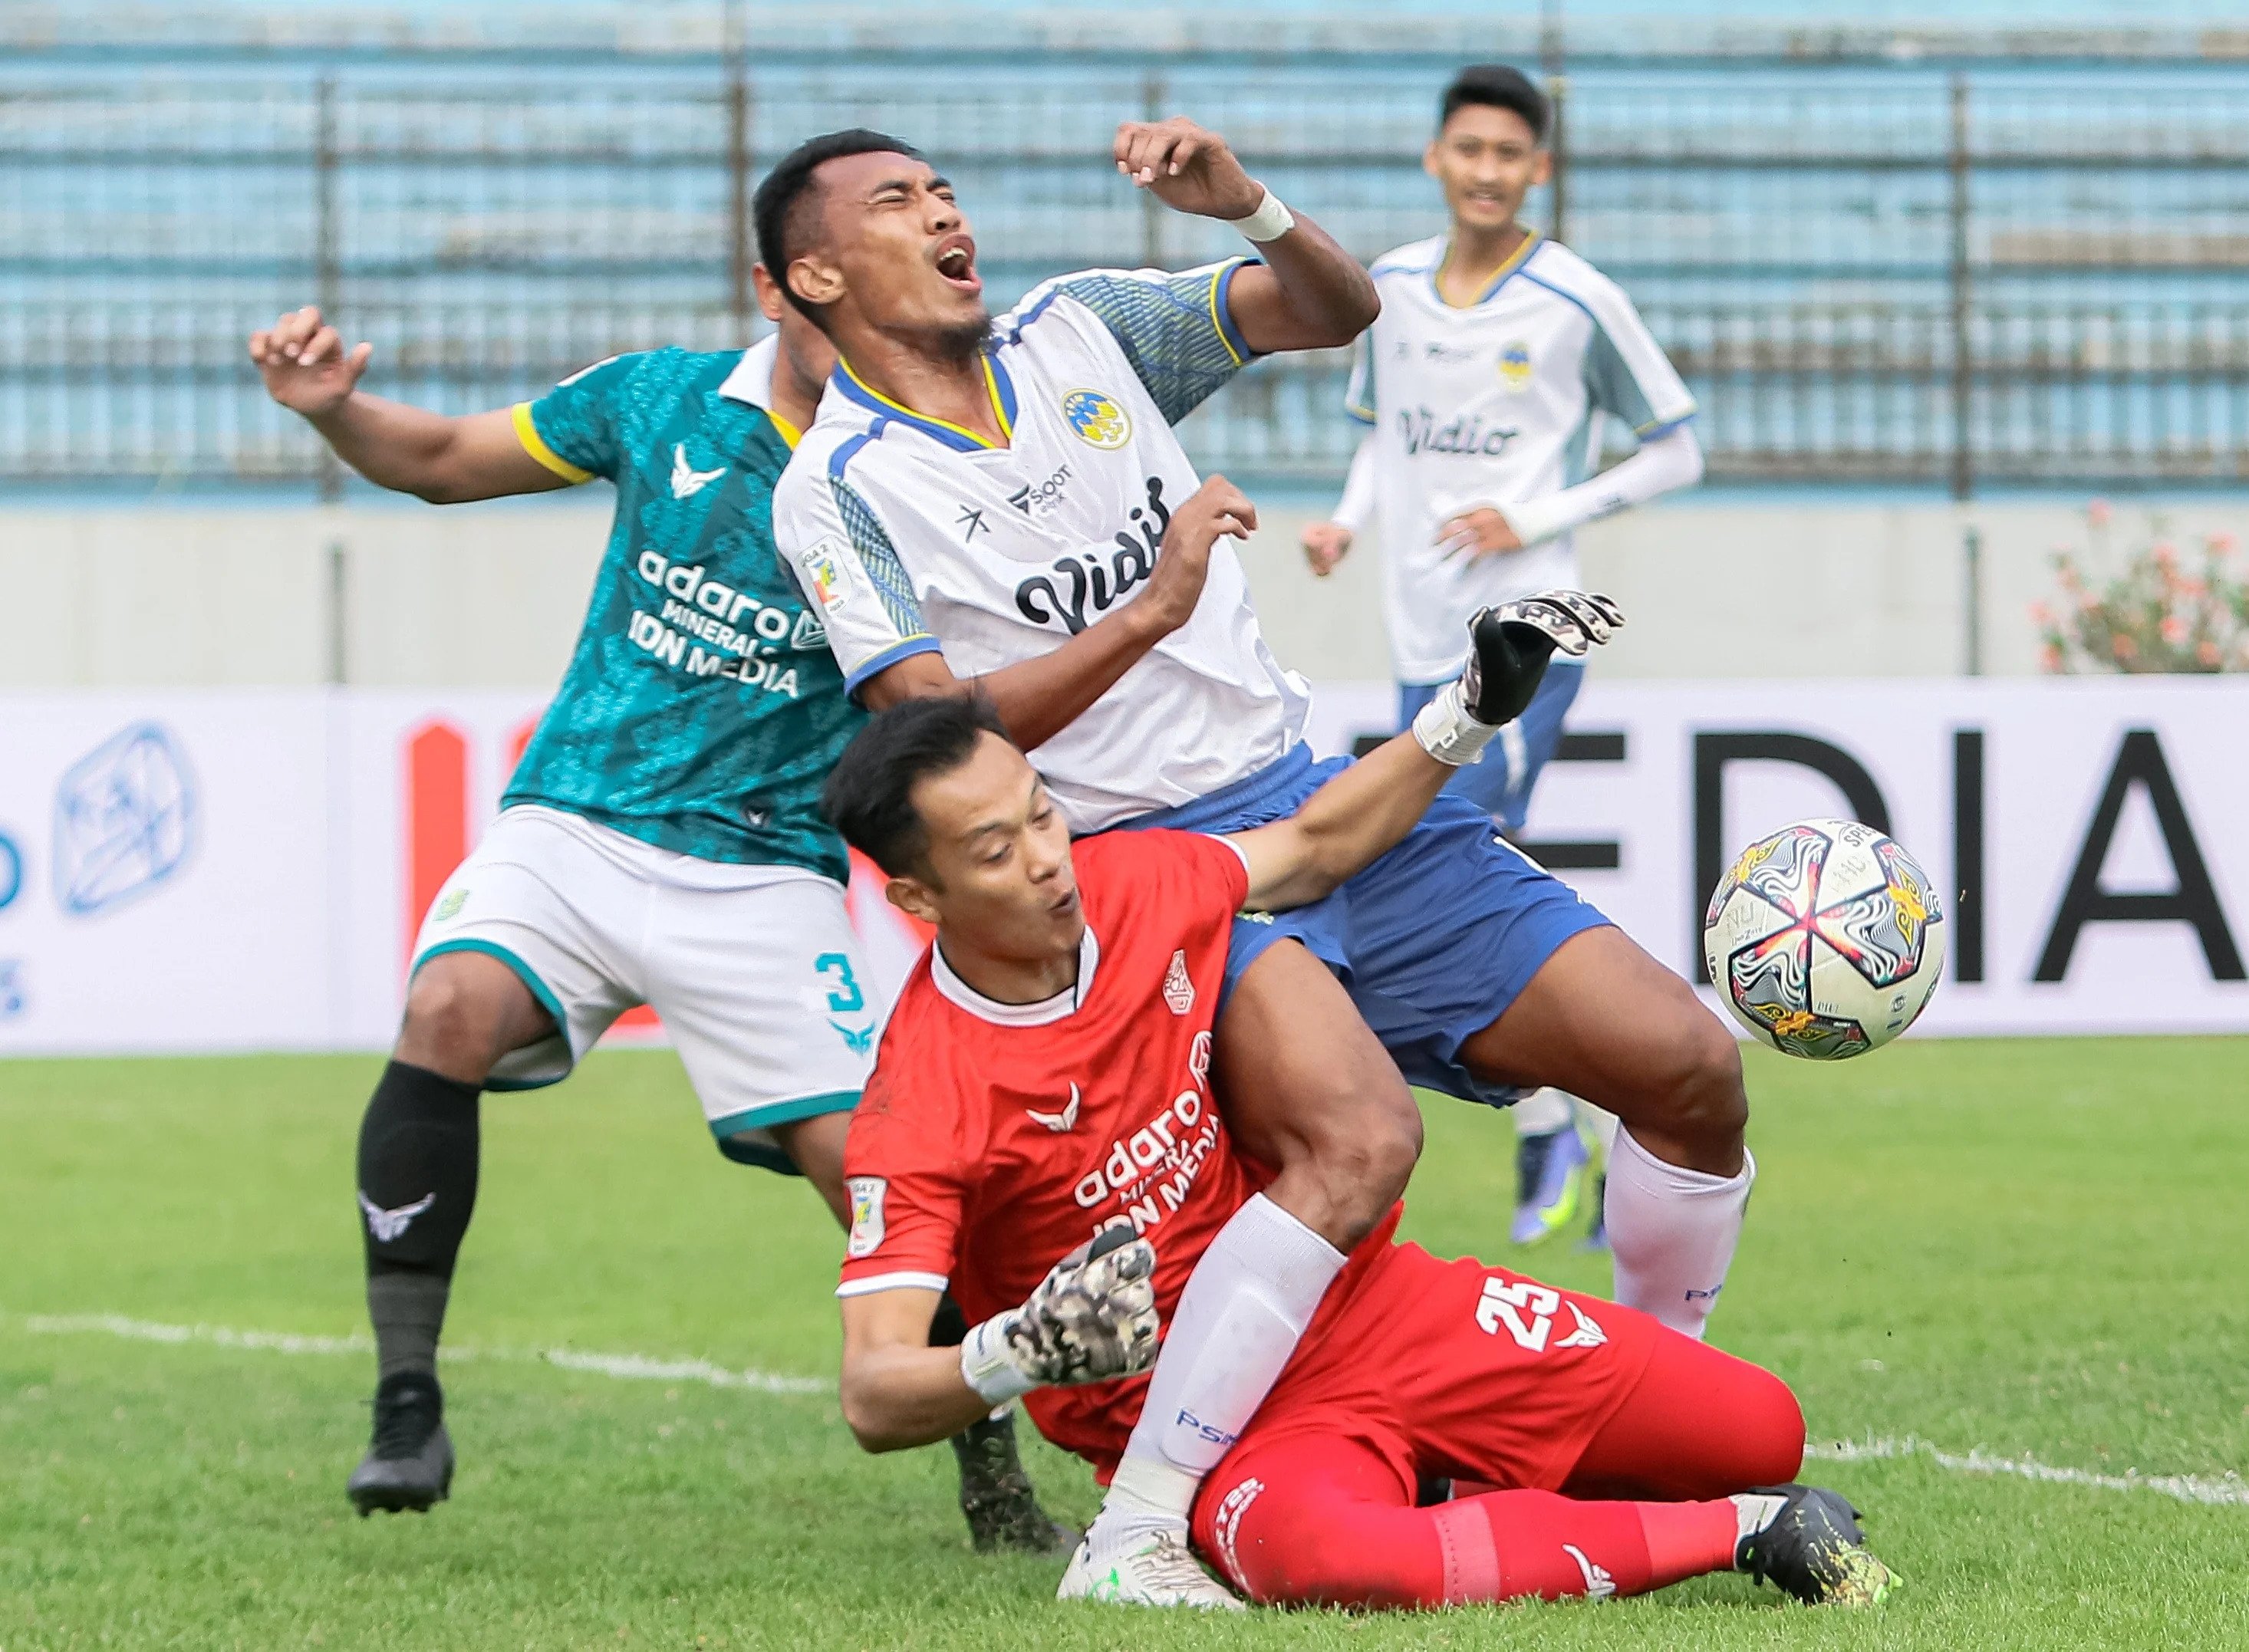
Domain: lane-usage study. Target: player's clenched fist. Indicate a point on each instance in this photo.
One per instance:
(1093, 1318)
(304, 364)
(1188, 168)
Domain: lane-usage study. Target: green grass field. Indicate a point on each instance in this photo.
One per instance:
(2040, 1250)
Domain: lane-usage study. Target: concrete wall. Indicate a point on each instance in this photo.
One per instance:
(491, 594)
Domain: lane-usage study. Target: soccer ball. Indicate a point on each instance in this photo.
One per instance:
(1826, 939)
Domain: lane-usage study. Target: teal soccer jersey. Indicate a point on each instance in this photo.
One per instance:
(703, 708)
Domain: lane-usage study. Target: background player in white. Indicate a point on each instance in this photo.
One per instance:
(974, 497)
(1500, 360)
(660, 842)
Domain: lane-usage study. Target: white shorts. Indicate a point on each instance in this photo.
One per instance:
(754, 970)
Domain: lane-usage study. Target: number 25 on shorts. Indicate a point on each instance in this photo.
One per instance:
(1525, 1309)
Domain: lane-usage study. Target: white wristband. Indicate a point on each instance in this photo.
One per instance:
(1448, 732)
(986, 1366)
(1269, 223)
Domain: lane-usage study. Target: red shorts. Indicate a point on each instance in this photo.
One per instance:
(1457, 1369)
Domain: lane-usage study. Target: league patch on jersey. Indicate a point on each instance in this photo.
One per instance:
(825, 564)
(1515, 366)
(866, 1215)
(1098, 421)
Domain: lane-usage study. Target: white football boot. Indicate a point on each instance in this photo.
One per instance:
(1154, 1571)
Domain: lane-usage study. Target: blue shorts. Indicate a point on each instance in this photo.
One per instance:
(1501, 784)
(1433, 941)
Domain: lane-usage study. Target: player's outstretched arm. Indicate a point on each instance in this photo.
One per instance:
(1308, 293)
(1366, 810)
(1092, 1318)
(444, 460)
(1038, 699)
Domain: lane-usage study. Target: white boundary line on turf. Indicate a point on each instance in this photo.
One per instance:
(2229, 1488)
(632, 1367)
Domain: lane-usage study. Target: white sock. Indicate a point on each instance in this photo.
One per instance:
(1541, 1112)
(1245, 1305)
(1672, 1232)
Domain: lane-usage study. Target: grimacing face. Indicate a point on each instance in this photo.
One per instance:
(1486, 160)
(999, 877)
(894, 247)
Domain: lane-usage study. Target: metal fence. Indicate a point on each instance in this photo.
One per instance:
(1959, 276)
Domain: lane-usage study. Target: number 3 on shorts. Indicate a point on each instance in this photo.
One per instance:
(1504, 1305)
(844, 997)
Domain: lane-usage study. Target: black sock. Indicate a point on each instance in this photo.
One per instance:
(417, 1188)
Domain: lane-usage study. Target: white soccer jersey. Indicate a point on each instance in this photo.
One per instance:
(912, 533)
(1497, 403)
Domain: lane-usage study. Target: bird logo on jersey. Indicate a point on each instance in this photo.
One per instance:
(687, 480)
(1178, 990)
(1096, 419)
(1058, 1122)
(1515, 367)
(387, 1225)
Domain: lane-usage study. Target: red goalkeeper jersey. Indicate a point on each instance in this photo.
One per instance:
(994, 1138)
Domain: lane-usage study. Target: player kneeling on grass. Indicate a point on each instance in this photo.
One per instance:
(1045, 1080)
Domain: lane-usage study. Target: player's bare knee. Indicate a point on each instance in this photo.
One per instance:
(451, 1026)
(1361, 1159)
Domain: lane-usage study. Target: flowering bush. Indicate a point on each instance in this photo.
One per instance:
(2157, 615)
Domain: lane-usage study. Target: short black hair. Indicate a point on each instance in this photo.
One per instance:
(869, 796)
(1496, 85)
(773, 210)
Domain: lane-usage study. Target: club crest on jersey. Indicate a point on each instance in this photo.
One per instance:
(1515, 366)
(1096, 419)
(866, 1215)
(1178, 990)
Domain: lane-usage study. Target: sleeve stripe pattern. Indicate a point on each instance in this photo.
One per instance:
(869, 1285)
(1658, 381)
(1176, 330)
(526, 431)
(880, 559)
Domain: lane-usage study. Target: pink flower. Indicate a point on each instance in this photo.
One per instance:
(2205, 654)
(2123, 647)
(2195, 589)
(2041, 613)
(2098, 512)
(2174, 629)
(2049, 658)
(2165, 552)
(2223, 544)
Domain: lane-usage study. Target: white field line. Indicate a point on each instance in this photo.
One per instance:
(2229, 1488)
(638, 1367)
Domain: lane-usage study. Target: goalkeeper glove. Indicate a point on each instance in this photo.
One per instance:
(1093, 1318)
(1511, 646)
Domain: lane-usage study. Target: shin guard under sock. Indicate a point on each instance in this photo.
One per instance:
(418, 1148)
